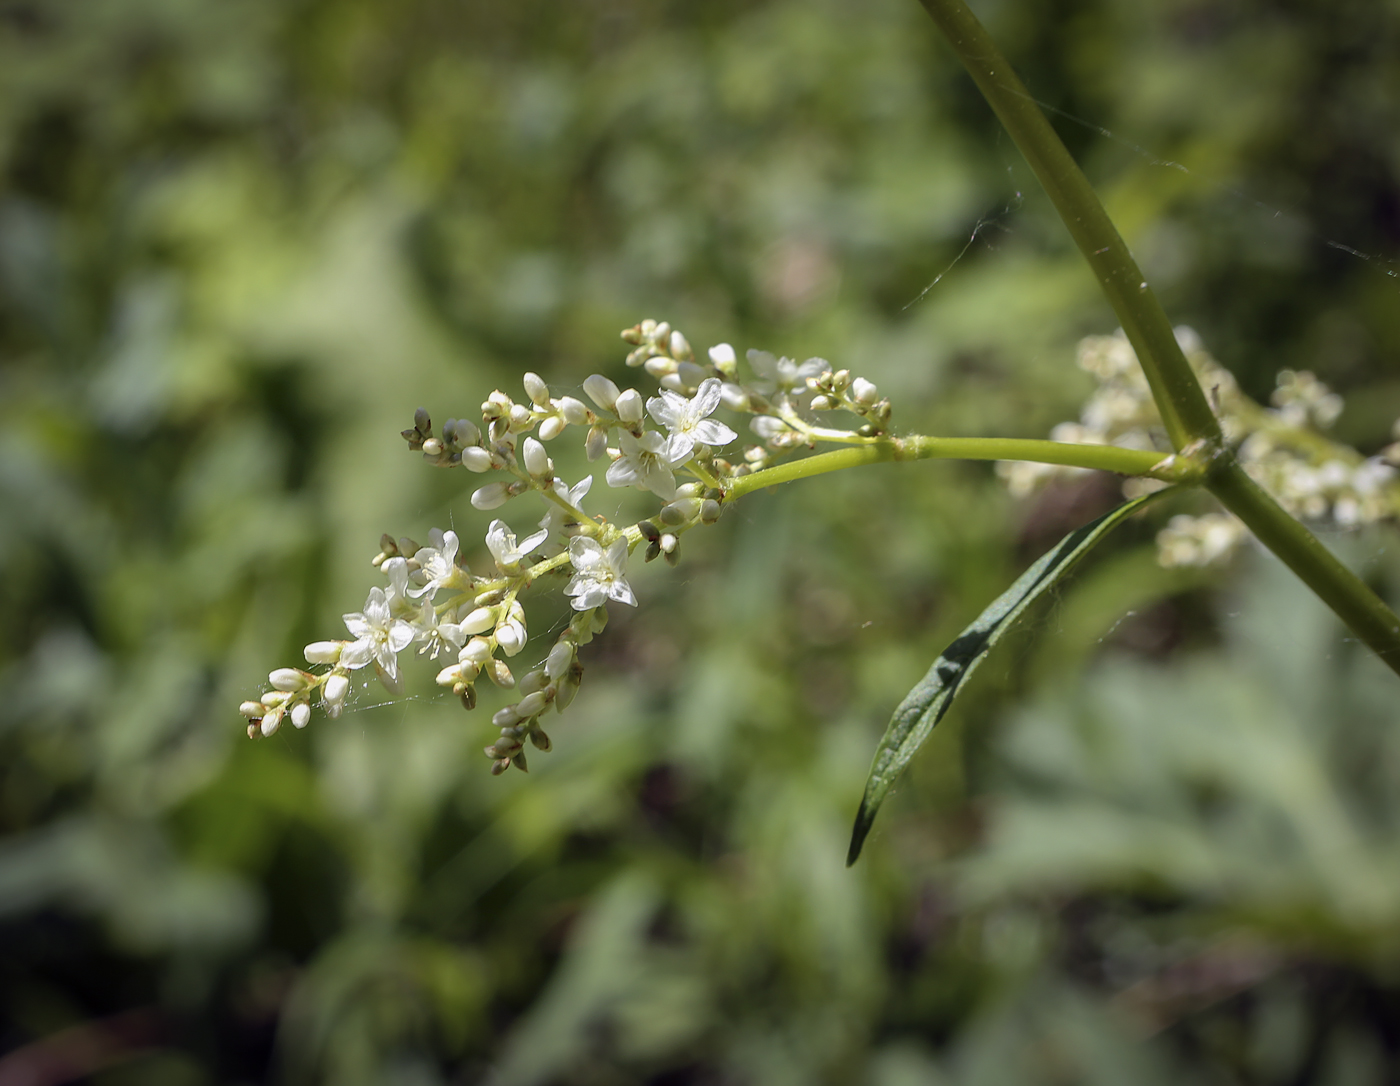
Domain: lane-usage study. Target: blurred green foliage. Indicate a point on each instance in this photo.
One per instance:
(241, 241)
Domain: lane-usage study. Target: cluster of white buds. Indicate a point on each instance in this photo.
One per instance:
(665, 444)
(1283, 448)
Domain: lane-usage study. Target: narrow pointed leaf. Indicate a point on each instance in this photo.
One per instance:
(925, 705)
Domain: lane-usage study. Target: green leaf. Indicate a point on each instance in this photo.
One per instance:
(925, 705)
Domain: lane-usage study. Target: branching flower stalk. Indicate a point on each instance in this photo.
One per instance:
(670, 445)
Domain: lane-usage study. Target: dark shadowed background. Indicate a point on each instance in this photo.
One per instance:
(242, 240)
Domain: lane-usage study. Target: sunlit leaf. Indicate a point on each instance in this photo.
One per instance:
(923, 708)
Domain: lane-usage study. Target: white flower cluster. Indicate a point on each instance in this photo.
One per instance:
(432, 599)
(1283, 447)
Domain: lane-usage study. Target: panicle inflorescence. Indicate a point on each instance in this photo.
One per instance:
(1283, 447)
(667, 445)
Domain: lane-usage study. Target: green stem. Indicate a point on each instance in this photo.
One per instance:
(1100, 457)
(1185, 412)
(1317, 567)
(1183, 405)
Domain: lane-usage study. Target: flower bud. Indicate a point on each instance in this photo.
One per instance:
(499, 674)
(679, 512)
(337, 686)
(551, 428)
(710, 511)
(601, 391)
(561, 657)
(660, 366)
(449, 676)
(629, 406)
(532, 681)
(288, 678)
(531, 705)
(475, 458)
(536, 459)
(864, 392)
(722, 355)
(271, 722)
(536, 389)
(301, 714)
(510, 635)
(596, 443)
(521, 418)
(476, 651)
(253, 710)
(680, 347)
(432, 447)
(822, 403)
(506, 718)
(274, 698)
(540, 740)
(479, 621)
(323, 652)
(491, 496)
(574, 412)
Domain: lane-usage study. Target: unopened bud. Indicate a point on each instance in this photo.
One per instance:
(288, 678)
(536, 389)
(596, 443)
(271, 722)
(680, 347)
(507, 717)
(253, 710)
(491, 496)
(510, 636)
(629, 406)
(532, 681)
(540, 740)
(710, 511)
(531, 705)
(680, 512)
(301, 714)
(323, 652)
(337, 686)
(499, 674)
(560, 658)
(601, 391)
(574, 411)
(477, 650)
(479, 621)
(864, 392)
(551, 428)
(475, 458)
(536, 459)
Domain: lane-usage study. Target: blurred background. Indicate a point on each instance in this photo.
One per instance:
(1157, 840)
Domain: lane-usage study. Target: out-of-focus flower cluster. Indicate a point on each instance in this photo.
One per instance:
(667, 445)
(1283, 447)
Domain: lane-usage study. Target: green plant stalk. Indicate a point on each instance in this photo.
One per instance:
(1183, 405)
(1317, 567)
(1102, 457)
(1189, 420)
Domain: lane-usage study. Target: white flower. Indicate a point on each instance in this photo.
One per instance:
(378, 636)
(435, 635)
(688, 420)
(500, 540)
(599, 575)
(439, 563)
(559, 518)
(781, 377)
(646, 463)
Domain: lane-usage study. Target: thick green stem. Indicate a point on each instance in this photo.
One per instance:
(1341, 589)
(1100, 457)
(1184, 409)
